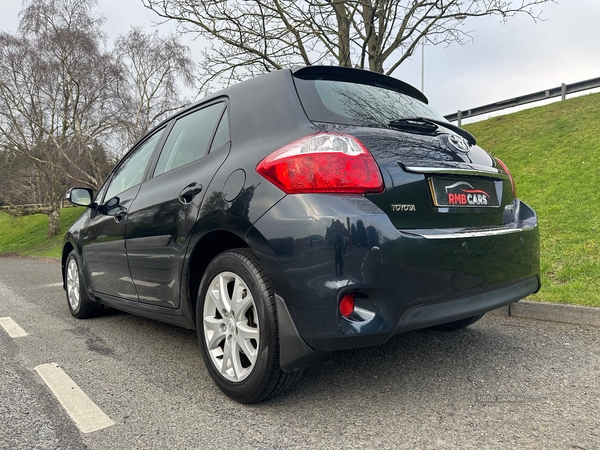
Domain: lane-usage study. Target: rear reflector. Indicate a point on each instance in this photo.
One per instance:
(324, 162)
(347, 305)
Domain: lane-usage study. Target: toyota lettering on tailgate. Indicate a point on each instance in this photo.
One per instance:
(452, 193)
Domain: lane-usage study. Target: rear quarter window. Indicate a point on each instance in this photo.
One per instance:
(189, 138)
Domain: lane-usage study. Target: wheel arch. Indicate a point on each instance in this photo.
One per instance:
(68, 247)
(204, 251)
(297, 354)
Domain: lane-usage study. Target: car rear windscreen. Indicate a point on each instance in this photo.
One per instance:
(354, 103)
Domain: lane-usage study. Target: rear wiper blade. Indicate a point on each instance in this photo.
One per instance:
(416, 126)
(408, 121)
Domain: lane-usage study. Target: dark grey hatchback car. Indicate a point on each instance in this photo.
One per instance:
(298, 213)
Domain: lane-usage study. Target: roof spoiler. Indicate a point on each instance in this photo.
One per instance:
(339, 73)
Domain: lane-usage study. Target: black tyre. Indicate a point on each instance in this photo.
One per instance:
(459, 324)
(237, 328)
(78, 300)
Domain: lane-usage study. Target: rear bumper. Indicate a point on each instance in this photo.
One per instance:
(431, 314)
(402, 280)
(296, 354)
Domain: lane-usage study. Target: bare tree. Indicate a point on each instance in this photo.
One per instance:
(152, 68)
(56, 104)
(254, 36)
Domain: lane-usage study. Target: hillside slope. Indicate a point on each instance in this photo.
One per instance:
(27, 235)
(553, 152)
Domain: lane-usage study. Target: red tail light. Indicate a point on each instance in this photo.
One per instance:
(324, 162)
(512, 180)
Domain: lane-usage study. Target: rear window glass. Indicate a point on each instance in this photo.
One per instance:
(358, 104)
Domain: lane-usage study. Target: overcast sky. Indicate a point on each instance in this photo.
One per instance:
(503, 61)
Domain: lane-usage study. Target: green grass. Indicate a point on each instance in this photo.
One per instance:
(26, 235)
(553, 153)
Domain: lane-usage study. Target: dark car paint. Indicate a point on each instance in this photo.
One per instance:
(159, 226)
(104, 254)
(390, 271)
(397, 277)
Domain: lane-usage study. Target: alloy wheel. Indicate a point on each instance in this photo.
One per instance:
(73, 292)
(231, 329)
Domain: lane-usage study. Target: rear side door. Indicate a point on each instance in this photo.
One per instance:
(165, 210)
(103, 237)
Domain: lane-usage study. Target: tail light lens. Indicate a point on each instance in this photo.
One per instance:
(324, 162)
(347, 305)
(510, 177)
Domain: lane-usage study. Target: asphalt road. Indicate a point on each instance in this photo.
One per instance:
(503, 383)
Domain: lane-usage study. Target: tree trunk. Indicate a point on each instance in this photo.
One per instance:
(343, 22)
(372, 46)
(54, 219)
(376, 64)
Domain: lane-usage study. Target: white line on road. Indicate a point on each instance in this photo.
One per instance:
(12, 328)
(54, 285)
(84, 412)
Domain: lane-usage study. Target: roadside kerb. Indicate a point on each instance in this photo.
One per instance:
(552, 312)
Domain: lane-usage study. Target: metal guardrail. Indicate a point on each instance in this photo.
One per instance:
(560, 91)
(33, 206)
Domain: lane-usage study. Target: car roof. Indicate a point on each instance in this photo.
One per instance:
(251, 93)
(335, 73)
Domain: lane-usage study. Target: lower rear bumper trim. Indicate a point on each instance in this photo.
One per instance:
(431, 314)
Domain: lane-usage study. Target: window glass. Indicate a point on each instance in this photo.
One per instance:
(222, 134)
(189, 138)
(132, 170)
(360, 104)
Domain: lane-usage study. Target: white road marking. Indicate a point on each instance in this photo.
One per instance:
(84, 412)
(54, 285)
(12, 328)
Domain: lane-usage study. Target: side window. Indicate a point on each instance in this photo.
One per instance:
(132, 170)
(189, 138)
(222, 134)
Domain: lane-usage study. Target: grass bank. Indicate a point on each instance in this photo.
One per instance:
(26, 235)
(553, 152)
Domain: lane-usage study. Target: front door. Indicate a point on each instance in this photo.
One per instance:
(103, 237)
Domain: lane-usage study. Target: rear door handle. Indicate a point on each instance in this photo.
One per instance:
(189, 192)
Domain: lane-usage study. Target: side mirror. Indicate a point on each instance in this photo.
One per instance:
(80, 196)
(110, 208)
